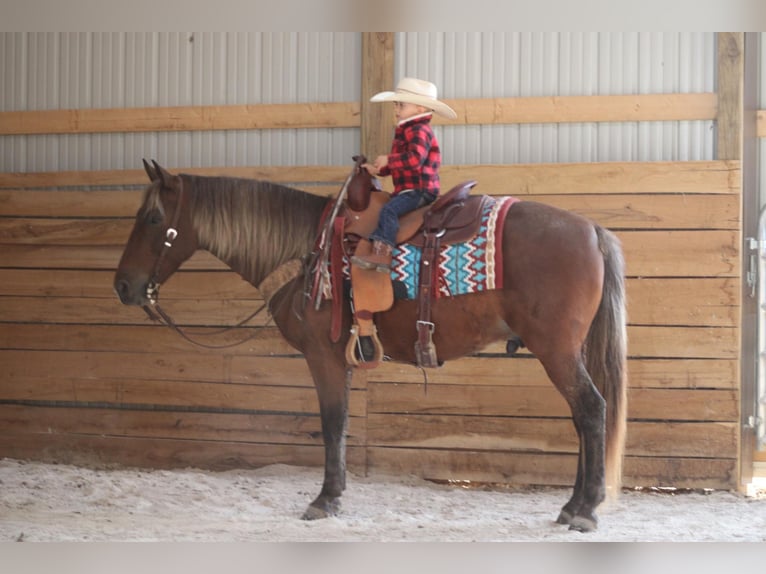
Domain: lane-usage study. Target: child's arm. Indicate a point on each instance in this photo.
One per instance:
(418, 144)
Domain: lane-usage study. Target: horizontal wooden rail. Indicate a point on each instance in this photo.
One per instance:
(181, 118)
(761, 123)
(526, 110)
(281, 174)
(517, 179)
(574, 109)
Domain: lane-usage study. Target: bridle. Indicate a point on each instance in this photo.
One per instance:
(156, 313)
(171, 233)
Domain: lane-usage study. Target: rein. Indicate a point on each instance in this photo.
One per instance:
(156, 313)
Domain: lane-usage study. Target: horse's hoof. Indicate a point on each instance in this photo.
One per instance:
(583, 524)
(325, 510)
(314, 513)
(564, 518)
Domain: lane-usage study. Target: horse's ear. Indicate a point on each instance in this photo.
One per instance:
(150, 171)
(167, 178)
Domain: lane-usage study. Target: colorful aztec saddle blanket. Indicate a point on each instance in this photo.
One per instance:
(475, 265)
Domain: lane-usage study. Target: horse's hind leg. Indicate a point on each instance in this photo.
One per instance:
(570, 509)
(589, 415)
(332, 380)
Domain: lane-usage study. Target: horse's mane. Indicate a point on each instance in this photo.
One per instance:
(252, 225)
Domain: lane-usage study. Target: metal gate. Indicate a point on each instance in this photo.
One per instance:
(758, 284)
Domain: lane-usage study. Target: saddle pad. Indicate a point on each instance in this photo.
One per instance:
(476, 265)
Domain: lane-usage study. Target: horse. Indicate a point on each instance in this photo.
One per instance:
(563, 295)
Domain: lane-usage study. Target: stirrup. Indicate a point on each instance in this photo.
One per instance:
(357, 356)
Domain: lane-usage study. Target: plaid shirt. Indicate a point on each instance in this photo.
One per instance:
(415, 157)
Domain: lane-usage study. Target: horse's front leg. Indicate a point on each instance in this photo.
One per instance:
(333, 381)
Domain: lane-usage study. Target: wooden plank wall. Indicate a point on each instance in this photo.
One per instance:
(88, 381)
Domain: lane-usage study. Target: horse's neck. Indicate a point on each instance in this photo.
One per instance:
(274, 231)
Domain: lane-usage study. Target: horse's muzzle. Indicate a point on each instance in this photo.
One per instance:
(131, 292)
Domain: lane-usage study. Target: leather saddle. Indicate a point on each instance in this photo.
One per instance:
(454, 217)
(455, 214)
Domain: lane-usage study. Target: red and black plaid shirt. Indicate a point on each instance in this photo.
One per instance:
(415, 157)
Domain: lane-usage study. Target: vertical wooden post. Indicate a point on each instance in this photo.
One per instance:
(377, 75)
(731, 67)
(730, 122)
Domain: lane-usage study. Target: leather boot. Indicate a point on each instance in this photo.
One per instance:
(378, 259)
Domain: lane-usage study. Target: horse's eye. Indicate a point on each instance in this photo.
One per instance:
(154, 217)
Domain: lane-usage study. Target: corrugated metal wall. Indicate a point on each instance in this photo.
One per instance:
(508, 64)
(103, 70)
(112, 70)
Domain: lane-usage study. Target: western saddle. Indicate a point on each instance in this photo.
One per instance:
(454, 217)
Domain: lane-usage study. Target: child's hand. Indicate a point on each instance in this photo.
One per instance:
(380, 162)
(370, 168)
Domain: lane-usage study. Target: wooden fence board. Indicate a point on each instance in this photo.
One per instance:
(186, 312)
(535, 401)
(707, 177)
(700, 373)
(681, 253)
(689, 439)
(169, 394)
(658, 211)
(134, 339)
(318, 174)
(698, 301)
(201, 285)
(689, 177)
(69, 203)
(663, 341)
(642, 373)
(519, 468)
(683, 342)
(713, 253)
(189, 366)
(117, 203)
(100, 452)
(662, 301)
(297, 429)
(85, 257)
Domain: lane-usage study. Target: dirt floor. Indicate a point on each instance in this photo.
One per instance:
(43, 502)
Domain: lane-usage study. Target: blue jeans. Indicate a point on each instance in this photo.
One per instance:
(388, 221)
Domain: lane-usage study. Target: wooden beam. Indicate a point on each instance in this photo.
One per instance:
(761, 124)
(181, 118)
(377, 75)
(731, 74)
(137, 177)
(375, 120)
(503, 179)
(570, 109)
(618, 211)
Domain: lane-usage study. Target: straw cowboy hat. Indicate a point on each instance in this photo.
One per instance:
(418, 92)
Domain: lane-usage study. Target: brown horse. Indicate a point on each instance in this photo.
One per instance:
(563, 296)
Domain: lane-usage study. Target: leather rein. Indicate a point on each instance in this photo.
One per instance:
(156, 313)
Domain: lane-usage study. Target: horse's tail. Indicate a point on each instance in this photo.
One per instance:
(606, 356)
